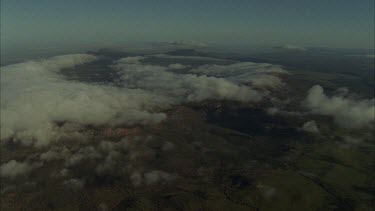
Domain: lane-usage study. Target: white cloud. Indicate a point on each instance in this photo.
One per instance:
(182, 87)
(35, 96)
(238, 69)
(13, 168)
(128, 157)
(50, 156)
(86, 153)
(346, 112)
(311, 127)
(109, 163)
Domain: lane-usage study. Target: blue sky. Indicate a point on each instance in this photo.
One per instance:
(328, 23)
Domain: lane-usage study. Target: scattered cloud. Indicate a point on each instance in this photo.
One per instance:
(86, 153)
(83, 163)
(347, 112)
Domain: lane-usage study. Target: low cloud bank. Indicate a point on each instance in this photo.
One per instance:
(291, 47)
(347, 112)
(37, 99)
(182, 87)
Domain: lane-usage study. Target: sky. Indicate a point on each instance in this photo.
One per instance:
(56, 23)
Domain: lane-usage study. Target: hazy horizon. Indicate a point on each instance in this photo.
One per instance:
(49, 24)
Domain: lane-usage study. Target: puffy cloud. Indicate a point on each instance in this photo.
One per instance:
(346, 112)
(311, 127)
(13, 168)
(86, 153)
(109, 163)
(291, 47)
(35, 96)
(51, 156)
(182, 87)
(128, 157)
